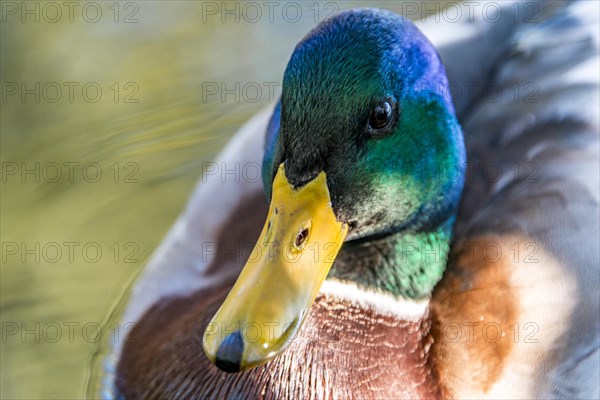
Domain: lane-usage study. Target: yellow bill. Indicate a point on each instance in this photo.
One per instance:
(265, 308)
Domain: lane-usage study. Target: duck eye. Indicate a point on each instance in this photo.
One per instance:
(382, 117)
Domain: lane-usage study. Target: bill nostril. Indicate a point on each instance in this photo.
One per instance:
(300, 240)
(229, 355)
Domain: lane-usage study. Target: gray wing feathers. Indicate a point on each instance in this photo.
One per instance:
(539, 127)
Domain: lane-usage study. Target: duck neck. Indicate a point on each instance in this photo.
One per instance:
(405, 264)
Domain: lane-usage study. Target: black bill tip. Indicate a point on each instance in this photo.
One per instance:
(229, 355)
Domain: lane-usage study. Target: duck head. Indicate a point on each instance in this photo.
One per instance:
(362, 149)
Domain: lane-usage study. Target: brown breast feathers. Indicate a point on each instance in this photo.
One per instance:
(342, 351)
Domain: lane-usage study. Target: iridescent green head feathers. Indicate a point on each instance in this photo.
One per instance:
(365, 99)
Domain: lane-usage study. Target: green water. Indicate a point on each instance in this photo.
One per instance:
(106, 122)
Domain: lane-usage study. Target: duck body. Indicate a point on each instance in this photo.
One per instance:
(338, 354)
(515, 313)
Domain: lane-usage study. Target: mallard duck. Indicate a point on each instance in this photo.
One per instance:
(412, 246)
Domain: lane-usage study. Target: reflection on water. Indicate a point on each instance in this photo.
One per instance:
(106, 122)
